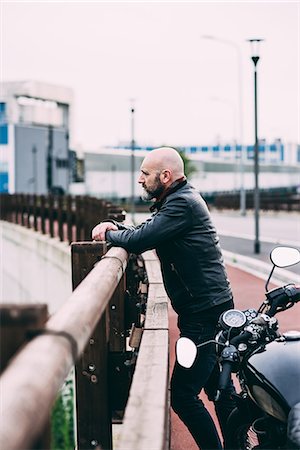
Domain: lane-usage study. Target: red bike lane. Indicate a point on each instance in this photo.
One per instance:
(248, 291)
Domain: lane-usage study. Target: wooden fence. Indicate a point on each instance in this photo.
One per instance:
(276, 199)
(92, 329)
(70, 218)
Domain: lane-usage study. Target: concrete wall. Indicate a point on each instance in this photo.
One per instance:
(34, 268)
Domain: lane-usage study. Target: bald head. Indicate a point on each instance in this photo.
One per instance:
(165, 158)
(161, 167)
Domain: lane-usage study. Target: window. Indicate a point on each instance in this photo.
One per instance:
(62, 163)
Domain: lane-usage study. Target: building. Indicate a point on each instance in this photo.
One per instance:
(34, 137)
(269, 152)
(108, 171)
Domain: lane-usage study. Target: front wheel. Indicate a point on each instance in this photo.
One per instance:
(243, 437)
(242, 433)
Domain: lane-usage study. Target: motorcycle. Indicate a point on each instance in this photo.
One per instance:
(266, 363)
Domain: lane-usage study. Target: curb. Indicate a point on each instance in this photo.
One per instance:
(260, 269)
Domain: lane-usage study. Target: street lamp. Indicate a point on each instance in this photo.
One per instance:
(132, 110)
(240, 103)
(255, 58)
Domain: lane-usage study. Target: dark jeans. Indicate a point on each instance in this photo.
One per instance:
(186, 384)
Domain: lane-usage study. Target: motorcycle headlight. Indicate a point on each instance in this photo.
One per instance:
(267, 403)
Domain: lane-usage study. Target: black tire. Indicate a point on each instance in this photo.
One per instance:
(239, 433)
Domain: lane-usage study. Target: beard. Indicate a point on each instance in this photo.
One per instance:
(154, 191)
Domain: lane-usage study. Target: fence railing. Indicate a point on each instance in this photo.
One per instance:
(70, 218)
(92, 329)
(146, 421)
(276, 199)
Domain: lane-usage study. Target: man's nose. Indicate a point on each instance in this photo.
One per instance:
(141, 179)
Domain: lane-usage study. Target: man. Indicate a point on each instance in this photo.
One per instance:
(194, 276)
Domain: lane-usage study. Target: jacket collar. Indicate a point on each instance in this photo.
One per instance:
(173, 188)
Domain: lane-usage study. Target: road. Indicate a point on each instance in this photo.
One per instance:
(237, 232)
(278, 227)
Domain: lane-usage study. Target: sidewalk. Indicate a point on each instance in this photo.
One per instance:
(248, 292)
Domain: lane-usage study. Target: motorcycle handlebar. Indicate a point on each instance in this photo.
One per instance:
(293, 292)
(229, 358)
(225, 375)
(283, 298)
(243, 337)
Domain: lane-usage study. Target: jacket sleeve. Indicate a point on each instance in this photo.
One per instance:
(173, 220)
(120, 226)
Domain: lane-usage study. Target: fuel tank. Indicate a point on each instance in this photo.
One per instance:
(278, 364)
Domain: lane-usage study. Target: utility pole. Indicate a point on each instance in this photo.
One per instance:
(132, 110)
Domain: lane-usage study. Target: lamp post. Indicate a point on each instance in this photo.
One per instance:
(132, 110)
(255, 58)
(240, 103)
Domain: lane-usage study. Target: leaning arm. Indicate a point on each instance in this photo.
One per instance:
(171, 221)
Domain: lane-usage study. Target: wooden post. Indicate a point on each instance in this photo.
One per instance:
(14, 208)
(51, 215)
(34, 210)
(4, 210)
(42, 213)
(94, 429)
(87, 215)
(21, 200)
(117, 319)
(18, 209)
(60, 217)
(28, 208)
(69, 217)
(78, 217)
(17, 321)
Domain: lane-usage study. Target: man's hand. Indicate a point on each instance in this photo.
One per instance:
(98, 232)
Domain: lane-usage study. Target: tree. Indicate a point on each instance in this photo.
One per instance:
(189, 167)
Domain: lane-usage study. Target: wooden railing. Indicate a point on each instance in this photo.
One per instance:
(146, 421)
(70, 218)
(91, 329)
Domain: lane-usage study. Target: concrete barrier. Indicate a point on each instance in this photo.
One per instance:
(35, 268)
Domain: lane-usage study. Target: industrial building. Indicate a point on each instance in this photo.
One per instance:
(108, 171)
(34, 137)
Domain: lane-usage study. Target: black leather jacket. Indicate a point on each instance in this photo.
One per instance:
(188, 247)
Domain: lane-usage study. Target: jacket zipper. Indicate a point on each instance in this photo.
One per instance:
(173, 268)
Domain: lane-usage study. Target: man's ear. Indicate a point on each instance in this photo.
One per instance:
(166, 176)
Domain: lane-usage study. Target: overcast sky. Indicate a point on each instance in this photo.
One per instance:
(186, 87)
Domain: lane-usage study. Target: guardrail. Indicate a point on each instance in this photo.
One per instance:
(273, 199)
(88, 328)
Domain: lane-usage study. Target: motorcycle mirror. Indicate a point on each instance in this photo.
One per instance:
(285, 256)
(186, 352)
